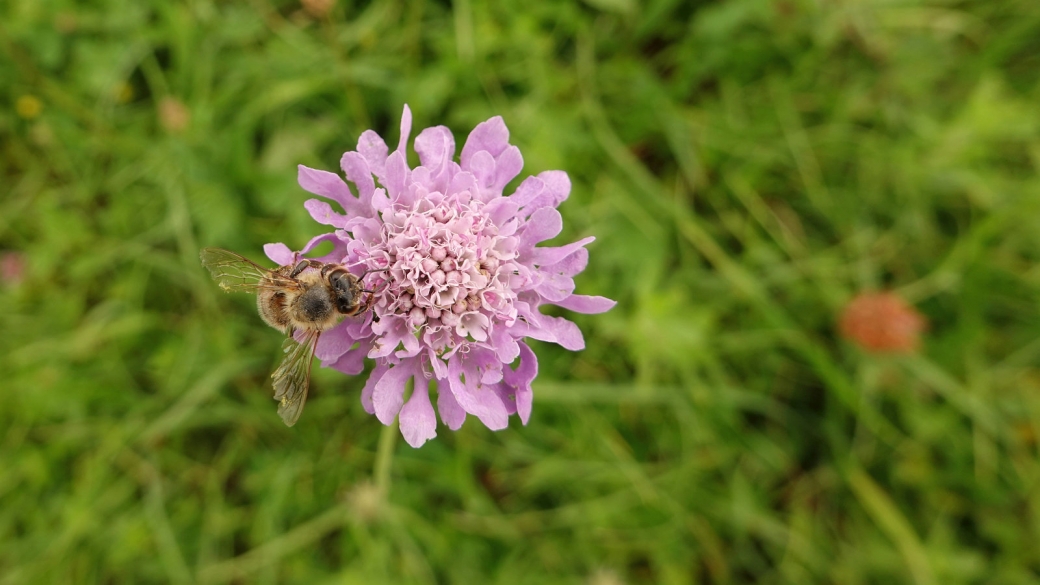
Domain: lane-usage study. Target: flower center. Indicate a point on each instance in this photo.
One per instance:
(449, 269)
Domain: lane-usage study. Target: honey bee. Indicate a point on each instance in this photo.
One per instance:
(308, 296)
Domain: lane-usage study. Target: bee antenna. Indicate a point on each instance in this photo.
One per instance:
(365, 273)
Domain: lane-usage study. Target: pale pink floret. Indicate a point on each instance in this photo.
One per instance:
(460, 280)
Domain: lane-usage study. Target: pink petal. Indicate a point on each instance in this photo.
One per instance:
(390, 331)
(452, 414)
(339, 247)
(549, 256)
(436, 147)
(388, 395)
(482, 165)
(418, 421)
(279, 253)
(528, 190)
(352, 363)
(371, 146)
(564, 332)
(356, 168)
(501, 210)
(334, 343)
(491, 135)
(406, 129)
(558, 183)
(507, 166)
(463, 181)
(520, 379)
(328, 185)
(555, 287)
(545, 223)
(482, 403)
(370, 385)
(322, 213)
(589, 305)
(396, 176)
(506, 348)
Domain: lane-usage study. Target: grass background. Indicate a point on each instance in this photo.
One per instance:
(748, 166)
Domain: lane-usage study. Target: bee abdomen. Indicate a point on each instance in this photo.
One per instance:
(273, 309)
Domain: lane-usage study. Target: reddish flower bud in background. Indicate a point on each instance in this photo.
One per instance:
(882, 322)
(12, 268)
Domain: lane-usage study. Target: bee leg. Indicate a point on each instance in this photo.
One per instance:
(300, 267)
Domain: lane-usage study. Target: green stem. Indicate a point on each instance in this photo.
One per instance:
(385, 457)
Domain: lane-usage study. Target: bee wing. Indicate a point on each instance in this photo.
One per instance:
(235, 273)
(292, 379)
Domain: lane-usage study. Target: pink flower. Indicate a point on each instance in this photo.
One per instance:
(460, 279)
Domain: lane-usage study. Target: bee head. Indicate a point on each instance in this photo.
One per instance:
(346, 290)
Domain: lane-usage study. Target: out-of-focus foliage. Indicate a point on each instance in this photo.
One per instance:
(748, 166)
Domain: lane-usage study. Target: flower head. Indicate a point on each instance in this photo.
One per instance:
(457, 275)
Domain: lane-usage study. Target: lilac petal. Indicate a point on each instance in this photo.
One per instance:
(371, 146)
(564, 332)
(406, 129)
(380, 201)
(482, 403)
(507, 395)
(328, 185)
(506, 348)
(590, 305)
(418, 421)
(440, 369)
(356, 168)
(388, 395)
(463, 181)
(322, 213)
(558, 183)
(482, 165)
(490, 135)
(549, 256)
(333, 343)
(507, 166)
(396, 177)
(369, 232)
(339, 247)
(436, 147)
(452, 414)
(528, 190)
(370, 385)
(545, 223)
(520, 380)
(390, 331)
(501, 210)
(570, 265)
(352, 363)
(555, 287)
(279, 253)
(546, 328)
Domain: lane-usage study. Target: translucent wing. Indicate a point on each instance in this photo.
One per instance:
(292, 379)
(235, 273)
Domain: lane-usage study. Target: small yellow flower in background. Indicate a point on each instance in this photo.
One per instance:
(174, 116)
(124, 93)
(28, 106)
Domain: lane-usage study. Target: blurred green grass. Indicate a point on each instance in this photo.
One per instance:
(748, 166)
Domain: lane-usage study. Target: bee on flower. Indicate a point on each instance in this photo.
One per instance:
(459, 275)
